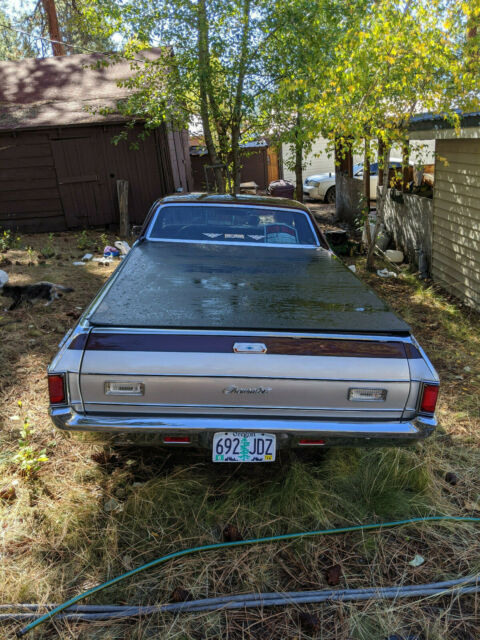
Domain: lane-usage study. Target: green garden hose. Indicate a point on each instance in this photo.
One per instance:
(223, 545)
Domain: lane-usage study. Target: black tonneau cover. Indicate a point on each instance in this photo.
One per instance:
(215, 286)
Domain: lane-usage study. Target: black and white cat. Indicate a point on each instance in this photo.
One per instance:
(31, 293)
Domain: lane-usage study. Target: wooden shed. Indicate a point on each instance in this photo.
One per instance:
(455, 255)
(260, 163)
(58, 164)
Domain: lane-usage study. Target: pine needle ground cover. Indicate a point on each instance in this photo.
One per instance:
(85, 512)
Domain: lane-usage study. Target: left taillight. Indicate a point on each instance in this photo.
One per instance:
(56, 389)
(429, 398)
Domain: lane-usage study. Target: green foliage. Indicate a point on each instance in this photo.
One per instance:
(75, 28)
(9, 240)
(28, 458)
(48, 250)
(83, 241)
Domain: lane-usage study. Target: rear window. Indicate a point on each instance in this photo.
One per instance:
(238, 224)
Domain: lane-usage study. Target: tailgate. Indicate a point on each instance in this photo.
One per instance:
(160, 372)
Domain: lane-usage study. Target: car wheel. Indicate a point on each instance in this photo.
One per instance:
(330, 196)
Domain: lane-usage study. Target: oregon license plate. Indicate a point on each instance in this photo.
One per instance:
(243, 447)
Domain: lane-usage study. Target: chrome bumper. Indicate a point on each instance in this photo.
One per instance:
(288, 430)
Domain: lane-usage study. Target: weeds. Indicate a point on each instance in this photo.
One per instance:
(83, 241)
(48, 250)
(9, 241)
(28, 458)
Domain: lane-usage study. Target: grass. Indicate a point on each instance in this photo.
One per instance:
(92, 512)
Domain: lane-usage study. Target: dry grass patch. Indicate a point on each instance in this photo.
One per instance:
(93, 512)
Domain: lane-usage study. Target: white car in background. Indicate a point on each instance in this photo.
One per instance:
(322, 186)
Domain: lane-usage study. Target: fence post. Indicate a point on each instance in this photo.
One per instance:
(122, 193)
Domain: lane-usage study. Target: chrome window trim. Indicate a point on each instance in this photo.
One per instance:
(257, 333)
(241, 206)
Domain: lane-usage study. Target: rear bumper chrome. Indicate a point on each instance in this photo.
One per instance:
(288, 430)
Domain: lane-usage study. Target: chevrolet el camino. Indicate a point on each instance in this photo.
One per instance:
(232, 326)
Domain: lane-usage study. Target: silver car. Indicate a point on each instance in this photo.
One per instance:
(322, 185)
(232, 326)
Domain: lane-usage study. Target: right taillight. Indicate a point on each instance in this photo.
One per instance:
(429, 398)
(56, 389)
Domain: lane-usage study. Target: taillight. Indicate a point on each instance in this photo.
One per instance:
(56, 389)
(306, 441)
(176, 439)
(429, 398)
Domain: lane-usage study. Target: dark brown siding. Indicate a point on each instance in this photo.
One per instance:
(29, 196)
(66, 177)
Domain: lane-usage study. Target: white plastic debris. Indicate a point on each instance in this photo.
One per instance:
(79, 263)
(353, 268)
(3, 278)
(87, 257)
(417, 561)
(122, 246)
(385, 273)
(394, 256)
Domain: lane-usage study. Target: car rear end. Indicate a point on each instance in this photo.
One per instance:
(206, 388)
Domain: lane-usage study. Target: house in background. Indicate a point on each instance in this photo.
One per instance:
(321, 159)
(58, 165)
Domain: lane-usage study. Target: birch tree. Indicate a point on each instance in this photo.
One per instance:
(393, 61)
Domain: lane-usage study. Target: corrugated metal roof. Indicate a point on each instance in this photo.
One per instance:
(63, 90)
(424, 121)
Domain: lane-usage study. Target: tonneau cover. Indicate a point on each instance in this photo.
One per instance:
(215, 286)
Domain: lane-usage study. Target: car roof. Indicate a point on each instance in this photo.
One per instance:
(217, 198)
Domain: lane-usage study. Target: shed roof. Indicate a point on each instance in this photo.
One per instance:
(436, 125)
(62, 91)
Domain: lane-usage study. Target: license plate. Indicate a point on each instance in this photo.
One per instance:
(243, 447)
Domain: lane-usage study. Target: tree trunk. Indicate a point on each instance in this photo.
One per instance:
(366, 174)
(298, 160)
(204, 72)
(53, 28)
(370, 266)
(238, 103)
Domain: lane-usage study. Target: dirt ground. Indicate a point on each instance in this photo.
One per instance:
(85, 512)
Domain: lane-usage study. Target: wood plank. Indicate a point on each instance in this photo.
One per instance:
(457, 212)
(456, 145)
(458, 270)
(26, 195)
(21, 185)
(442, 275)
(30, 206)
(470, 185)
(464, 263)
(35, 224)
(20, 163)
(15, 151)
(446, 177)
(453, 157)
(462, 197)
(26, 174)
(458, 168)
(453, 228)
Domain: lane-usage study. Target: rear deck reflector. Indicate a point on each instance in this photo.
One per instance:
(115, 388)
(429, 398)
(56, 389)
(367, 395)
(176, 439)
(311, 442)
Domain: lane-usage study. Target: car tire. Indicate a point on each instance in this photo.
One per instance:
(330, 196)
